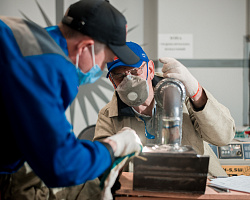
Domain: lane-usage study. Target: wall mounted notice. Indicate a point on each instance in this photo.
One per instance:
(175, 45)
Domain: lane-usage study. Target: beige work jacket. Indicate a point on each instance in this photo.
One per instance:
(213, 125)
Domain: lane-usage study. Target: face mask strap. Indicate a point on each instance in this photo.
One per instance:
(93, 54)
(77, 60)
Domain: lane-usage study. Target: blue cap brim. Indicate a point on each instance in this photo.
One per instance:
(120, 63)
(136, 50)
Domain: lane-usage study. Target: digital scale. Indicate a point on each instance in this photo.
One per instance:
(234, 157)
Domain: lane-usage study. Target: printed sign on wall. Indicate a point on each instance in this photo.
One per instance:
(175, 45)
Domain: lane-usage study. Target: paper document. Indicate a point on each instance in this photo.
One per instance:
(239, 183)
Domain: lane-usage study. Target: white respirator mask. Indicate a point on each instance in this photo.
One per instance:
(133, 90)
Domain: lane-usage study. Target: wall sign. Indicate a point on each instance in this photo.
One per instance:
(175, 45)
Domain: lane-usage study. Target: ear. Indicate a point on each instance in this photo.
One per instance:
(151, 69)
(84, 44)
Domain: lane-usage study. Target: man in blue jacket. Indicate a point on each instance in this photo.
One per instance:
(39, 81)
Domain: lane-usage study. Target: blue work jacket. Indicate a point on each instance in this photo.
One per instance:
(37, 84)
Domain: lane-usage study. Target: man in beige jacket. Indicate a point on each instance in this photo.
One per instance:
(205, 120)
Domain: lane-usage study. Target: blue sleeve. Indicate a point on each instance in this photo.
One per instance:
(36, 93)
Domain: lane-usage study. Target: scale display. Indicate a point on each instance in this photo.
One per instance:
(231, 151)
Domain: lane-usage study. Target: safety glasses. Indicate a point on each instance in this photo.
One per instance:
(135, 71)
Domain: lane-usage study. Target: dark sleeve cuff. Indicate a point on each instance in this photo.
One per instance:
(111, 152)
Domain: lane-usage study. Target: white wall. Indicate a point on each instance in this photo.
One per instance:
(226, 85)
(217, 27)
(14, 8)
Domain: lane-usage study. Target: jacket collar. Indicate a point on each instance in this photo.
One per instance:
(123, 109)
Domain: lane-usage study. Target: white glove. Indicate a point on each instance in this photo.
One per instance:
(127, 142)
(111, 178)
(174, 69)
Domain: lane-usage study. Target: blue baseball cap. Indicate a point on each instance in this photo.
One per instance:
(137, 50)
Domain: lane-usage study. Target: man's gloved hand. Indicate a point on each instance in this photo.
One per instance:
(174, 69)
(128, 145)
(127, 142)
